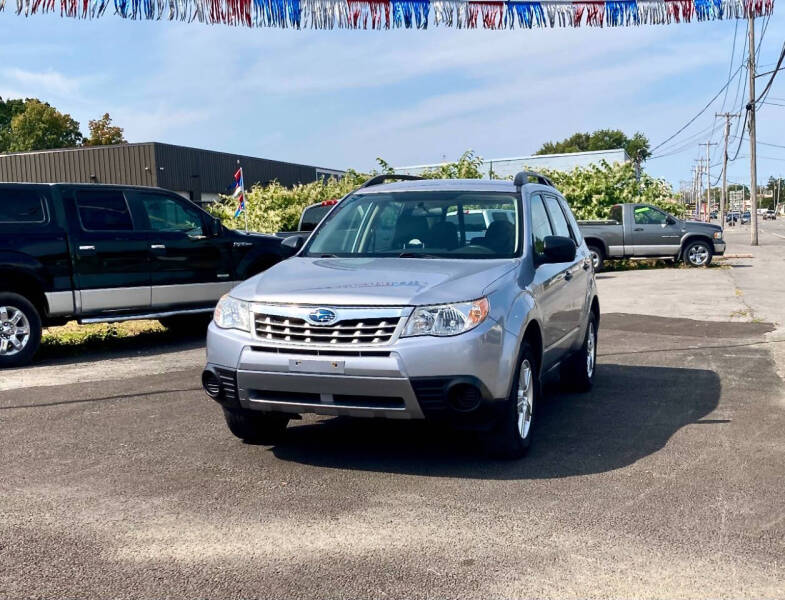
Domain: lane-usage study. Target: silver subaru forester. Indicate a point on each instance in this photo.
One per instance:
(440, 299)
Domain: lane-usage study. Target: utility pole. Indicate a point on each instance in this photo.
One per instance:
(753, 144)
(707, 212)
(724, 196)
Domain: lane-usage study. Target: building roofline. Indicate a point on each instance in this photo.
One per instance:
(178, 146)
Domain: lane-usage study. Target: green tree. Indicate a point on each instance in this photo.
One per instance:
(8, 110)
(637, 146)
(40, 127)
(777, 187)
(103, 133)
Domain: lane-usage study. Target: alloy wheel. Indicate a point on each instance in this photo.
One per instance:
(525, 398)
(14, 331)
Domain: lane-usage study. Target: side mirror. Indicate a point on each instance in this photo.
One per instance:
(558, 249)
(214, 227)
(294, 242)
(670, 221)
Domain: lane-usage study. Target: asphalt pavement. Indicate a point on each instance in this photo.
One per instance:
(665, 481)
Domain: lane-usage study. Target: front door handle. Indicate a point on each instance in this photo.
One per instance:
(87, 248)
(157, 247)
(638, 229)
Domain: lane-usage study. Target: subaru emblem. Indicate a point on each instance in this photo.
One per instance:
(322, 316)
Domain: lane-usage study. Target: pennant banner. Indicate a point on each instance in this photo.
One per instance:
(406, 14)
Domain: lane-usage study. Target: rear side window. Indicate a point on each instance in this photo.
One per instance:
(103, 210)
(558, 220)
(574, 229)
(616, 213)
(21, 206)
(541, 226)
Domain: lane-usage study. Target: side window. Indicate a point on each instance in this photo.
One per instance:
(167, 214)
(103, 210)
(646, 215)
(21, 206)
(558, 220)
(575, 231)
(616, 213)
(541, 226)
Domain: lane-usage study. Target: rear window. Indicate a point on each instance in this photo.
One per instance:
(103, 210)
(21, 206)
(313, 215)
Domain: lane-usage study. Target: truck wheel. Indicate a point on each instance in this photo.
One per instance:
(697, 254)
(597, 257)
(511, 437)
(578, 372)
(20, 330)
(187, 324)
(256, 428)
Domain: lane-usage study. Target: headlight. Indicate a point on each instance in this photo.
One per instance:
(717, 235)
(231, 313)
(447, 319)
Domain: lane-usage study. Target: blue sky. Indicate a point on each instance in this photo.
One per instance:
(341, 98)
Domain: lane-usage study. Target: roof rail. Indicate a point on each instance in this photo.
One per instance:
(522, 178)
(377, 179)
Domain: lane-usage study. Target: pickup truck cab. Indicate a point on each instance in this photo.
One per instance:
(642, 230)
(392, 309)
(99, 253)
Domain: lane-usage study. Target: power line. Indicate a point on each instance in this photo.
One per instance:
(703, 110)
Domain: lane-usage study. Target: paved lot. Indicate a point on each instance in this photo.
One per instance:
(666, 480)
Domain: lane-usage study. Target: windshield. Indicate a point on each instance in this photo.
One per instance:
(421, 225)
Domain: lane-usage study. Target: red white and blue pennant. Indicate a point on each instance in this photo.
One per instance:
(406, 14)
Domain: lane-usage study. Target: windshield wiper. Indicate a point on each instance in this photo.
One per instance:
(328, 256)
(416, 255)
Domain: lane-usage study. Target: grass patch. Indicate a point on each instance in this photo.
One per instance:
(73, 339)
(646, 264)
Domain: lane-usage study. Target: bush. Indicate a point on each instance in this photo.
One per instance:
(590, 191)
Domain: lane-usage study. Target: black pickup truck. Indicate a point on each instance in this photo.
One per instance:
(101, 253)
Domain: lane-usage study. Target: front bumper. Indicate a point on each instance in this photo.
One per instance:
(719, 247)
(412, 378)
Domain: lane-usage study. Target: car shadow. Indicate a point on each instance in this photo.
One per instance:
(631, 413)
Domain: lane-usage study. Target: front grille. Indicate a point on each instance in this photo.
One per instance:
(343, 333)
(320, 352)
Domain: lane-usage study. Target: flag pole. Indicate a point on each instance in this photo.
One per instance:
(245, 204)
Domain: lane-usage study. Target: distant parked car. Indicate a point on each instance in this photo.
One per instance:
(732, 217)
(770, 215)
(745, 217)
(713, 214)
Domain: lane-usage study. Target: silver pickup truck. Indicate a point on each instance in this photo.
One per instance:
(642, 230)
(395, 307)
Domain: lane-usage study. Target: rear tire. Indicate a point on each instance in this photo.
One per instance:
(597, 257)
(20, 330)
(511, 436)
(256, 428)
(578, 372)
(697, 254)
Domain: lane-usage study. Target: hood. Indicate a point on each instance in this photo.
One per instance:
(373, 281)
(697, 227)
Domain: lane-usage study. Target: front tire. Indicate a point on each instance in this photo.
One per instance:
(20, 330)
(256, 428)
(578, 373)
(511, 437)
(697, 254)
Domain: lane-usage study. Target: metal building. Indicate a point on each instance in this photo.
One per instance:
(508, 167)
(199, 175)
